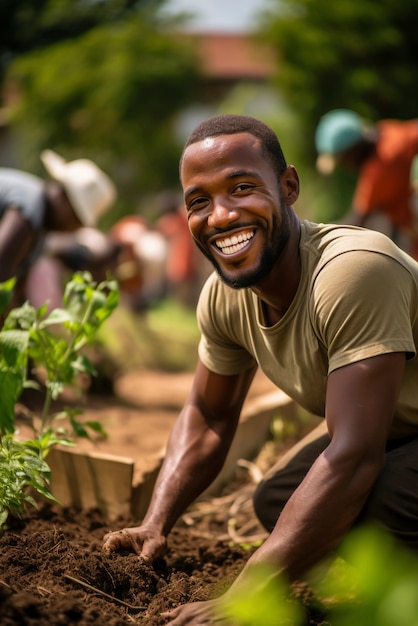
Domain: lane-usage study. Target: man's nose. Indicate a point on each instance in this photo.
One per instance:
(222, 215)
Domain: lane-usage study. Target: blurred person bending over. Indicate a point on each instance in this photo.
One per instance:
(30, 208)
(330, 314)
(383, 157)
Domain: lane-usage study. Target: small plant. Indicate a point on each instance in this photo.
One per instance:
(54, 342)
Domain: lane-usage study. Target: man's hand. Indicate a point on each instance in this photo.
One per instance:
(205, 613)
(145, 542)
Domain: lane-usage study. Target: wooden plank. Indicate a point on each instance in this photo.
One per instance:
(96, 480)
(253, 431)
(92, 480)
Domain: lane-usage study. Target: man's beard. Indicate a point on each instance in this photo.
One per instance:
(271, 253)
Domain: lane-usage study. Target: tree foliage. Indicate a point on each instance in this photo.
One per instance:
(112, 95)
(27, 25)
(359, 54)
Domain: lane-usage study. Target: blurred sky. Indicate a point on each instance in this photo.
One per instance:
(218, 15)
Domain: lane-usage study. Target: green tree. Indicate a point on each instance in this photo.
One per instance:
(27, 25)
(111, 95)
(358, 54)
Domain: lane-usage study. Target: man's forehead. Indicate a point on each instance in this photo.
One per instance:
(222, 144)
(208, 142)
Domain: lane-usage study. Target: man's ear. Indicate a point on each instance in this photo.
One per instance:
(289, 181)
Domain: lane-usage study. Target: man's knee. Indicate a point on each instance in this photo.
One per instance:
(393, 501)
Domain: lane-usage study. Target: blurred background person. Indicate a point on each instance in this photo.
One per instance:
(86, 249)
(30, 208)
(186, 268)
(382, 156)
(146, 249)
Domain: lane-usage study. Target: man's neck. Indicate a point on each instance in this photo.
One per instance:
(278, 289)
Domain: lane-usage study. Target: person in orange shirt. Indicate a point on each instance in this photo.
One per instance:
(383, 155)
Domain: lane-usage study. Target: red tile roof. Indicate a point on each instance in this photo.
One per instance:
(232, 56)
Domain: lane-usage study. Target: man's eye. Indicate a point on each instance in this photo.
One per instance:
(243, 187)
(196, 204)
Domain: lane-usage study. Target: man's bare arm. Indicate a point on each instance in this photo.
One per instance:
(196, 451)
(16, 240)
(360, 404)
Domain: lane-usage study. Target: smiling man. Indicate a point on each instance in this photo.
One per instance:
(330, 314)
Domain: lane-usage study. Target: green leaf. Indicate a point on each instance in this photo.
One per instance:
(263, 598)
(55, 387)
(97, 427)
(57, 316)
(6, 292)
(4, 514)
(11, 385)
(22, 317)
(79, 429)
(13, 347)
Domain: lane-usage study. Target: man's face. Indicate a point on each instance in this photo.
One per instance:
(235, 208)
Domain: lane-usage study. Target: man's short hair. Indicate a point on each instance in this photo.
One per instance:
(230, 124)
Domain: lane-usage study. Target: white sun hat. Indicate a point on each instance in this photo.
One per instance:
(89, 190)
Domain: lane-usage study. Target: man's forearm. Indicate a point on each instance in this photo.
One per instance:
(192, 462)
(317, 516)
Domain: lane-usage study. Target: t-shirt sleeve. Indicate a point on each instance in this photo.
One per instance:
(363, 305)
(219, 347)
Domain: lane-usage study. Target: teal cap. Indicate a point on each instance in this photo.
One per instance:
(337, 131)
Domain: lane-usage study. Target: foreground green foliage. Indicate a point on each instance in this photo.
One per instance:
(20, 467)
(257, 602)
(31, 338)
(371, 582)
(375, 584)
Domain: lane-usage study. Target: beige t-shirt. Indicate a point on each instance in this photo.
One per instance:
(357, 298)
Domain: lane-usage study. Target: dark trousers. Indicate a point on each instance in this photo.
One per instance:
(393, 502)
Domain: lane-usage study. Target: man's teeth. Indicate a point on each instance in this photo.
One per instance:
(230, 245)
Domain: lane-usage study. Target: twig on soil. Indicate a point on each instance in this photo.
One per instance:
(2, 582)
(241, 501)
(254, 471)
(43, 591)
(56, 545)
(131, 607)
(205, 508)
(242, 538)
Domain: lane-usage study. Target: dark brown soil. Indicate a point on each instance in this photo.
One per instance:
(39, 556)
(53, 571)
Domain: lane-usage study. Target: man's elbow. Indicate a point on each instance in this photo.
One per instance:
(359, 468)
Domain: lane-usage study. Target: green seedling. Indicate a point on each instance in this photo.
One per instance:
(31, 338)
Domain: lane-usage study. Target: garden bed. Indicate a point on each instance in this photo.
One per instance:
(54, 572)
